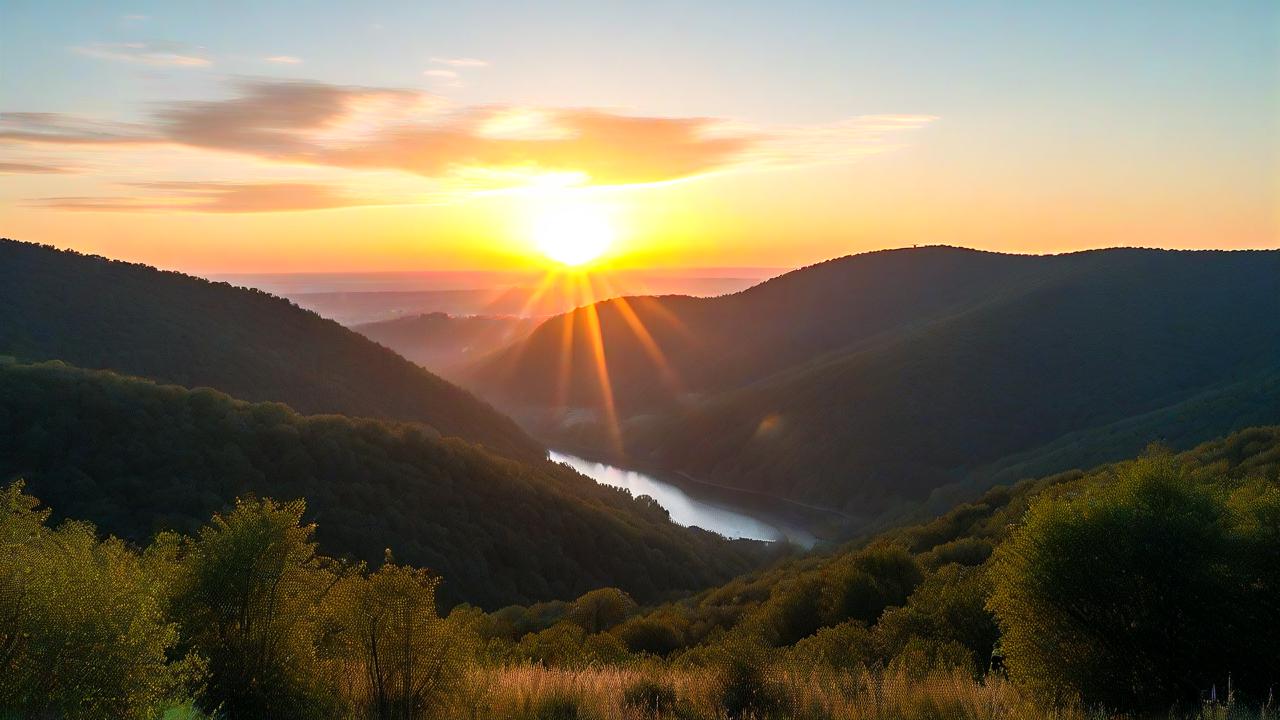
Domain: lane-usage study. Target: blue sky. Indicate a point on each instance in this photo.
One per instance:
(1146, 96)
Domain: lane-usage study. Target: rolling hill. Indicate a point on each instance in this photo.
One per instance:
(914, 589)
(440, 342)
(105, 314)
(137, 458)
(870, 382)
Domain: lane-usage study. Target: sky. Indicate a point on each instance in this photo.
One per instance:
(324, 136)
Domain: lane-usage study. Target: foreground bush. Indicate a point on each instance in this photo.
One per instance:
(1145, 592)
(82, 628)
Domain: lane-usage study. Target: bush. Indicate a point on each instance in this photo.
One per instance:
(1143, 592)
(600, 610)
(654, 637)
(745, 689)
(650, 698)
(560, 644)
(560, 706)
(83, 633)
(847, 645)
(248, 595)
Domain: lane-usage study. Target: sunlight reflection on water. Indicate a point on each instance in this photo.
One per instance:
(684, 509)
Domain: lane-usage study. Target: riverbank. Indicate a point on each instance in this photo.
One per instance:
(800, 523)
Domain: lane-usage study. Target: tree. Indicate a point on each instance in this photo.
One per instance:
(249, 589)
(406, 657)
(1140, 592)
(600, 610)
(82, 630)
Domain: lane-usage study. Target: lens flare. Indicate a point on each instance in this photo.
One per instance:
(572, 234)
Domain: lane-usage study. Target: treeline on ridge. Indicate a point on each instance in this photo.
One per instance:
(866, 383)
(134, 319)
(137, 458)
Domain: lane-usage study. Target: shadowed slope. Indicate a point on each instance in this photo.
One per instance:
(136, 458)
(99, 313)
(867, 382)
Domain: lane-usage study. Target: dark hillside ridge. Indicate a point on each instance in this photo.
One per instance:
(106, 314)
(912, 370)
(137, 458)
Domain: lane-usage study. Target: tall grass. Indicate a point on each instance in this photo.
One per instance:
(532, 692)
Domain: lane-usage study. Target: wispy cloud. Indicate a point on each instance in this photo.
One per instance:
(211, 197)
(33, 168)
(440, 73)
(157, 54)
(284, 59)
(61, 129)
(374, 128)
(462, 62)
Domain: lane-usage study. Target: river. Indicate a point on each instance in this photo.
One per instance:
(685, 509)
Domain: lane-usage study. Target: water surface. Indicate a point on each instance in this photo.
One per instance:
(685, 509)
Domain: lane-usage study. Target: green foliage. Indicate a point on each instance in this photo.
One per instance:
(847, 645)
(745, 690)
(247, 597)
(560, 644)
(99, 313)
(650, 636)
(82, 628)
(936, 618)
(402, 659)
(560, 706)
(248, 620)
(882, 377)
(600, 610)
(650, 699)
(944, 624)
(873, 580)
(1147, 590)
(135, 458)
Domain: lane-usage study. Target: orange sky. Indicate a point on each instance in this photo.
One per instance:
(190, 141)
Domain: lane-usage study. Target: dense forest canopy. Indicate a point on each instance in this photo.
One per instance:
(1053, 598)
(137, 458)
(869, 382)
(106, 314)
(1137, 585)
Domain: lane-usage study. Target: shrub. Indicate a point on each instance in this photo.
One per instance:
(1143, 592)
(745, 688)
(643, 635)
(247, 598)
(650, 698)
(600, 610)
(847, 645)
(83, 632)
(560, 706)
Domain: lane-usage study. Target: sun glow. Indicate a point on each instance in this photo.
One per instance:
(572, 234)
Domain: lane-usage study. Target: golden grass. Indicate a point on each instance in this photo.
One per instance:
(519, 692)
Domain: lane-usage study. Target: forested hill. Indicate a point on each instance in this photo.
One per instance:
(1160, 573)
(135, 458)
(99, 313)
(935, 366)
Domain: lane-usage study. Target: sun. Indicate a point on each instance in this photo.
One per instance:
(572, 234)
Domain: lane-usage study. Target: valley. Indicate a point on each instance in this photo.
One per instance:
(493, 360)
(726, 512)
